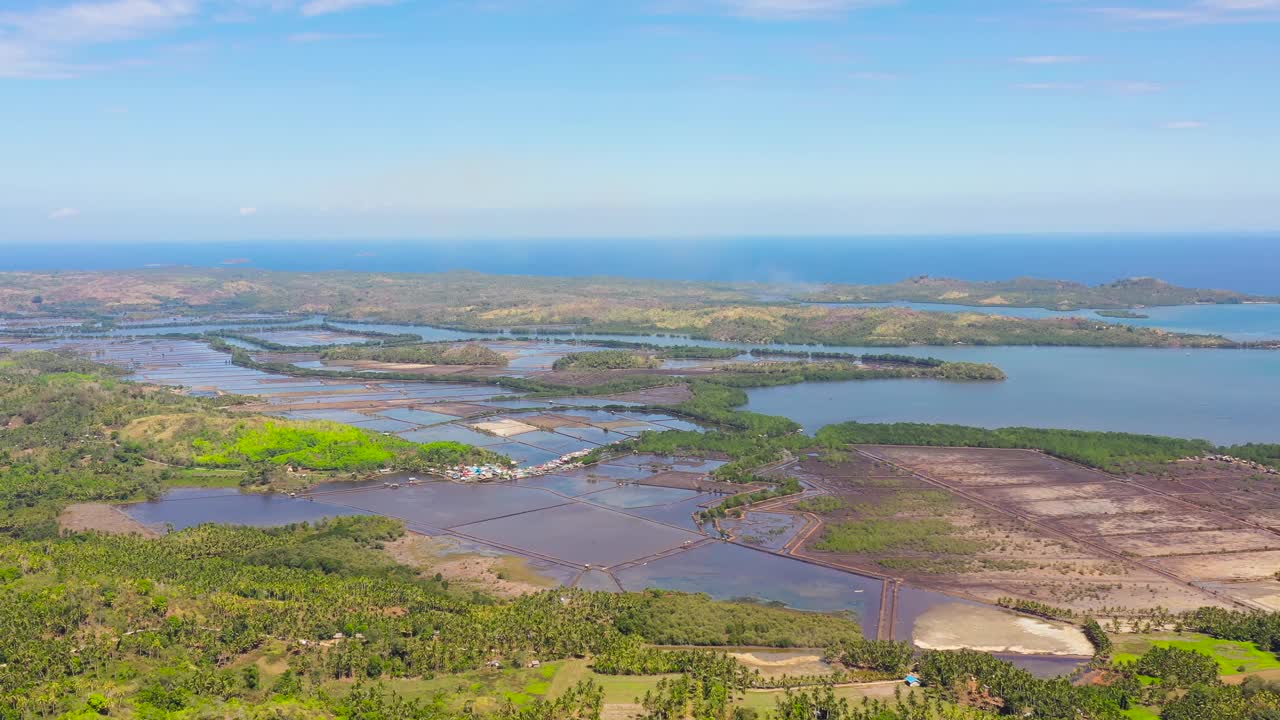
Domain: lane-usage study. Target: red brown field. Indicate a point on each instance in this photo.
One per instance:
(1023, 524)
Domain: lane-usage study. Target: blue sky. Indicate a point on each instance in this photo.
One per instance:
(243, 119)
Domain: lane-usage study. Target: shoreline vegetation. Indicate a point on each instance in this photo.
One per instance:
(316, 621)
(1026, 292)
(710, 311)
(737, 375)
(1122, 314)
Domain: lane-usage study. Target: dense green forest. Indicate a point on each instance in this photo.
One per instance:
(607, 360)
(177, 623)
(1106, 450)
(1113, 451)
(424, 354)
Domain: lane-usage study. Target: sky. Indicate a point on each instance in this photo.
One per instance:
(205, 120)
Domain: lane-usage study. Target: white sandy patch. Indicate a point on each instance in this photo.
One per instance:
(789, 661)
(504, 428)
(957, 626)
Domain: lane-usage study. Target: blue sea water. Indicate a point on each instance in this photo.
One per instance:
(1247, 263)
(1226, 396)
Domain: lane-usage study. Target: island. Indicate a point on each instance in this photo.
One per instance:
(1032, 292)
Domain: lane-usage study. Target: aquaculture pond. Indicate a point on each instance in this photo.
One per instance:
(187, 507)
(1227, 396)
(590, 532)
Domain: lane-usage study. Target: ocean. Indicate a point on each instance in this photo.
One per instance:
(1246, 263)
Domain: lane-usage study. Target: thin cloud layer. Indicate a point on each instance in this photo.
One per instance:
(798, 9)
(327, 7)
(1201, 12)
(35, 43)
(46, 40)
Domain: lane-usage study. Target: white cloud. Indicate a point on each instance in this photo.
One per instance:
(64, 213)
(1184, 125)
(1242, 4)
(94, 22)
(36, 43)
(1050, 59)
(797, 9)
(1136, 87)
(1199, 12)
(247, 211)
(1116, 88)
(325, 7)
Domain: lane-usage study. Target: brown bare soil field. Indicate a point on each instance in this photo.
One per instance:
(666, 395)
(501, 575)
(1098, 506)
(1267, 518)
(1072, 491)
(103, 518)
(552, 421)
(1225, 566)
(1014, 558)
(1025, 524)
(1194, 543)
(1262, 593)
(696, 481)
(1098, 525)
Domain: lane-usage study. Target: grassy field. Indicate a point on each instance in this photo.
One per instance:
(204, 477)
(1142, 713)
(871, 536)
(625, 689)
(1232, 657)
(483, 689)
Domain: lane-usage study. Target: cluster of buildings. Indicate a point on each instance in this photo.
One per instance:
(481, 473)
(564, 462)
(486, 473)
(1256, 466)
